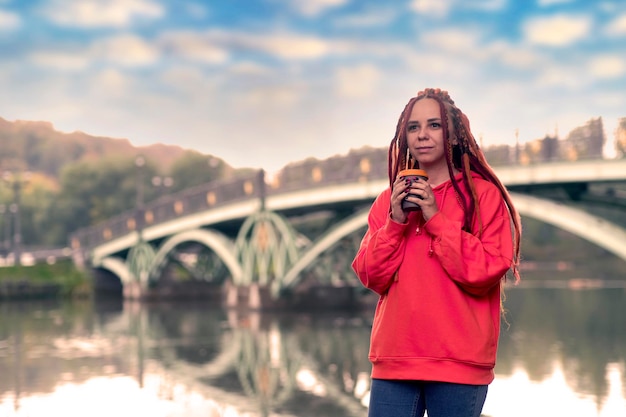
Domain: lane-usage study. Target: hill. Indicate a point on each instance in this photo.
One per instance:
(36, 146)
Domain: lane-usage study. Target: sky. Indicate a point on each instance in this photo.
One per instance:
(263, 83)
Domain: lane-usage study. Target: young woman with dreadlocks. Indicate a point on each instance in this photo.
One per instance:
(438, 271)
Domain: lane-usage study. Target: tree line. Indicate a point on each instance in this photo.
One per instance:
(53, 183)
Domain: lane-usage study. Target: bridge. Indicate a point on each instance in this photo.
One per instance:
(261, 239)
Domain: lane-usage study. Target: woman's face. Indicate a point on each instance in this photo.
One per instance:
(424, 134)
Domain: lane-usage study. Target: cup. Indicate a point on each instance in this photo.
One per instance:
(413, 175)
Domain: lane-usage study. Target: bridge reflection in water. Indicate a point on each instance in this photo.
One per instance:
(255, 242)
(252, 364)
(563, 355)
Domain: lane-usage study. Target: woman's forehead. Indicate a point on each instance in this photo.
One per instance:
(426, 108)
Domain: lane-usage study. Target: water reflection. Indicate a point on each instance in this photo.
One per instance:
(564, 354)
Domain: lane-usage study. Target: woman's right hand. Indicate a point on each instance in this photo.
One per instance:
(398, 192)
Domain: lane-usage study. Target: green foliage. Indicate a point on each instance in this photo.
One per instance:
(80, 180)
(72, 282)
(194, 168)
(92, 193)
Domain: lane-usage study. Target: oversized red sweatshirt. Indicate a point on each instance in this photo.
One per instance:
(438, 315)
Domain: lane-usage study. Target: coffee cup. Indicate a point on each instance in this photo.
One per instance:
(413, 175)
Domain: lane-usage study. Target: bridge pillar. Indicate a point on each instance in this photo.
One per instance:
(254, 296)
(251, 297)
(132, 291)
(232, 295)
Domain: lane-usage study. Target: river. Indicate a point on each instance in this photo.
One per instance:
(563, 353)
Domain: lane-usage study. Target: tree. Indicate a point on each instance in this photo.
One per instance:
(194, 168)
(92, 193)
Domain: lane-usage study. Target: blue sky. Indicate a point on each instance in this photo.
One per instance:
(262, 83)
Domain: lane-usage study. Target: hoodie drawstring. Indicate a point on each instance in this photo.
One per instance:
(418, 230)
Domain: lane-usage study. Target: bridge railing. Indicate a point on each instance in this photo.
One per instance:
(366, 164)
(363, 165)
(193, 200)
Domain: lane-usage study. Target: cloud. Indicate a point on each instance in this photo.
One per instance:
(562, 76)
(110, 83)
(60, 60)
(437, 8)
(271, 99)
(126, 50)
(617, 27)
(194, 46)
(484, 5)
(195, 10)
(452, 40)
(559, 30)
(312, 8)
(546, 3)
(358, 81)
(442, 8)
(289, 46)
(518, 57)
(9, 21)
(100, 13)
(607, 66)
(249, 68)
(370, 18)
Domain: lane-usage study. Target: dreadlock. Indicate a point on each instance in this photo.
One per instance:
(462, 153)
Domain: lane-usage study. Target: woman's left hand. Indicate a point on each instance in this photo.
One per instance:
(426, 199)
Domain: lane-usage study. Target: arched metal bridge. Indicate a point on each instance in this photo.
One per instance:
(267, 232)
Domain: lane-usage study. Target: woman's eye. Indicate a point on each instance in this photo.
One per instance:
(435, 125)
(411, 128)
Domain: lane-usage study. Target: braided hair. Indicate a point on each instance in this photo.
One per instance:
(463, 154)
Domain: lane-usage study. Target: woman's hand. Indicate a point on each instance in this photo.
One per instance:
(419, 192)
(426, 198)
(398, 192)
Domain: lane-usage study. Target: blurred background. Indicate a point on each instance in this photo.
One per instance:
(111, 110)
(261, 83)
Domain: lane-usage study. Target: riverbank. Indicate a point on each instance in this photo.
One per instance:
(41, 281)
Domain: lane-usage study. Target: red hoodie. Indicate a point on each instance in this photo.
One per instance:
(438, 315)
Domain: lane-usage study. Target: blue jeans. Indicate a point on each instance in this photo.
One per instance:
(391, 398)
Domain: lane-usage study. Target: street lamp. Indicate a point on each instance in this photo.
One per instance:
(16, 182)
(6, 225)
(162, 184)
(140, 162)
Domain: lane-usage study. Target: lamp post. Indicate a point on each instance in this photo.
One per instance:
(16, 182)
(140, 162)
(162, 184)
(5, 229)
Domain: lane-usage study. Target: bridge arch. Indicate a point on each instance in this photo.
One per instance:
(212, 239)
(594, 229)
(340, 230)
(117, 266)
(266, 246)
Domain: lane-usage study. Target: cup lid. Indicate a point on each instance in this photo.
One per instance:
(413, 171)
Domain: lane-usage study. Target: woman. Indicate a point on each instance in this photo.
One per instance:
(439, 270)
